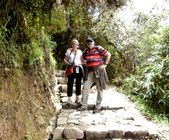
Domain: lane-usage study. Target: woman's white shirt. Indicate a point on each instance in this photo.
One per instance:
(70, 55)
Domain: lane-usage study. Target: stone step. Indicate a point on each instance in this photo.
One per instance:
(89, 107)
(107, 124)
(102, 133)
(60, 73)
(61, 80)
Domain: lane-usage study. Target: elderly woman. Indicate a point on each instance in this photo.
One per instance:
(73, 57)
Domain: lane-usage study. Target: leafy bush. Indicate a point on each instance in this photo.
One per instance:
(16, 56)
(151, 78)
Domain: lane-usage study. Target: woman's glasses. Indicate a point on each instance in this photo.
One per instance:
(76, 44)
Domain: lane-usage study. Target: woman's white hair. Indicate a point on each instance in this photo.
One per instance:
(75, 41)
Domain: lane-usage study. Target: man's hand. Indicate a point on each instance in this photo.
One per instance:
(102, 67)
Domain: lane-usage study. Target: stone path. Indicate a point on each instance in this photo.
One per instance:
(119, 119)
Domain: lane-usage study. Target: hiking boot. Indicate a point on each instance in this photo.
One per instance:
(50, 136)
(81, 109)
(77, 100)
(70, 102)
(96, 110)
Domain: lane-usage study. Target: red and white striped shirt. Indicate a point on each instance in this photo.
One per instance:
(93, 57)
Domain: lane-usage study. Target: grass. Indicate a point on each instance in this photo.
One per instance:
(149, 112)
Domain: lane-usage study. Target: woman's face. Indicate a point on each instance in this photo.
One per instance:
(75, 45)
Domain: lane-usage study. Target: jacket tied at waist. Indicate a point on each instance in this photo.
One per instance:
(102, 76)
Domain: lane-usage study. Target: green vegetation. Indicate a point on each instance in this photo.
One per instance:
(35, 34)
(149, 81)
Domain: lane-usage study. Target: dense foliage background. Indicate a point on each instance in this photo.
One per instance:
(36, 34)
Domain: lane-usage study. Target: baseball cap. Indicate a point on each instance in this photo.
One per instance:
(89, 39)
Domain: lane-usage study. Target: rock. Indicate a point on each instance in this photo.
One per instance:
(73, 121)
(61, 121)
(116, 134)
(50, 129)
(136, 134)
(62, 88)
(96, 134)
(40, 120)
(73, 133)
(58, 133)
(52, 121)
(58, 107)
(63, 95)
(61, 81)
(60, 74)
(64, 99)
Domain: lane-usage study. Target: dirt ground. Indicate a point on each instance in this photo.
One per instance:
(25, 107)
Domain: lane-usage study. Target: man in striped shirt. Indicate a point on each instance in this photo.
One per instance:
(94, 62)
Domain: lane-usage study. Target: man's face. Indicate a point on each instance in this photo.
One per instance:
(90, 44)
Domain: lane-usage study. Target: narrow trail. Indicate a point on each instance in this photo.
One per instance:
(119, 118)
